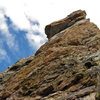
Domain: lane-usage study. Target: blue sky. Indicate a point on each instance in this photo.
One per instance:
(16, 43)
(22, 24)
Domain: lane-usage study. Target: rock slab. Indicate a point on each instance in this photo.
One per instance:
(62, 24)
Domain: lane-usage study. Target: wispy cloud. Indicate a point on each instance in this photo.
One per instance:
(46, 11)
(7, 41)
(25, 33)
(3, 54)
(4, 31)
(14, 40)
(35, 37)
(33, 34)
(35, 41)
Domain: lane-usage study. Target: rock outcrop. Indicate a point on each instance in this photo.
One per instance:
(62, 24)
(12, 70)
(67, 67)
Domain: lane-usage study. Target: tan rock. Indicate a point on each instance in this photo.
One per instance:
(62, 24)
(60, 68)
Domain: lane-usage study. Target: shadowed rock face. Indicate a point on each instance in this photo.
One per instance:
(64, 68)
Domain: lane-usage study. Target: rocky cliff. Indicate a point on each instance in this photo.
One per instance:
(67, 67)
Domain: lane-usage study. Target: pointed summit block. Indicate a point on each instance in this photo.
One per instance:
(62, 24)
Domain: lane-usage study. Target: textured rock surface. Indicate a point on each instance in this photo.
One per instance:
(64, 68)
(62, 24)
(12, 70)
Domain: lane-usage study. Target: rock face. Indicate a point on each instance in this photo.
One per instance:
(62, 24)
(11, 71)
(65, 68)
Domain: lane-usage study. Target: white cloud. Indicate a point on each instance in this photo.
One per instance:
(22, 12)
(35, 40)
(3, 54)
(8, 37)
(46, 11)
